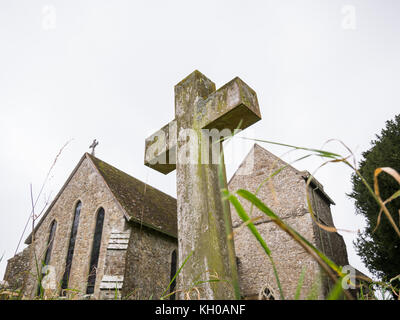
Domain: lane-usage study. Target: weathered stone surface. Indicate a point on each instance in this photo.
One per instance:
(148, 263)
(17, 270)
(255, 269)
(201, 227)
(284, 193)
(203, 217)
(110, 287)
(118, 240)
(233, 104)
(160, 149)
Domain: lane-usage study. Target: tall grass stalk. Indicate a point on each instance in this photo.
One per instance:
(327, 265)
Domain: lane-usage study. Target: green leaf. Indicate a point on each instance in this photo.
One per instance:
(300, 283)
(323, 153)
(336, 291)
(243, 215)
(295, 235)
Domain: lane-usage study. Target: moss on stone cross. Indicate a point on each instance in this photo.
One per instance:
(204, 219)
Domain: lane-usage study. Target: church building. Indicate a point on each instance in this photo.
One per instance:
(107, 235)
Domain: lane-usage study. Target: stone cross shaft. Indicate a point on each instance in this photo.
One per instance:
(204, 219)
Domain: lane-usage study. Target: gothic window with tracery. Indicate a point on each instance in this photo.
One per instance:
(94, 259)
(71, 248)
(47, 256)
(267, 293)
(52, 234)
(173, 272)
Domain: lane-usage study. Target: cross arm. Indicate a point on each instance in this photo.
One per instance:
(232, 105)
(160, 149)
(226, 108)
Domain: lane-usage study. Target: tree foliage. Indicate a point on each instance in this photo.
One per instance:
(379, 250)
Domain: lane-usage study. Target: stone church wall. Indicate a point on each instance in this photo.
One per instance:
(285, 194)
(148, 263)
(17, 270)
(255, 268)
(87, 186)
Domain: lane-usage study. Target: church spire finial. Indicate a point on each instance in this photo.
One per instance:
(93, 146)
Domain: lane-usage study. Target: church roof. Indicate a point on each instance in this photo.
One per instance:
(141, 202)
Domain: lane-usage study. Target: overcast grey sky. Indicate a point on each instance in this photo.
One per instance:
(106, 69)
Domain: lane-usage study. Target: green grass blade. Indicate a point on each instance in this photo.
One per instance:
(327, 264)
(336, 291)
(274, 174)
(300, 284)
(243, 215)
(176, 274)
(116, 292)
(313, 294)
(261, 206)
(323, 153)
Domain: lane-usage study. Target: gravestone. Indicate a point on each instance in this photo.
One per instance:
(204, 220)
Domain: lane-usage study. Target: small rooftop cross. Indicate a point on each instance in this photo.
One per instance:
(93, 146)
(204, 218)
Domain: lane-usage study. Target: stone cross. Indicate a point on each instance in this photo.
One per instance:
(93, 146)
(204, 219)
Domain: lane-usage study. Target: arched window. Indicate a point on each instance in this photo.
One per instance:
(71, 247)
(47, 256)
(173, 272)
(94, 259)
(52, 234)
(267, 293)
